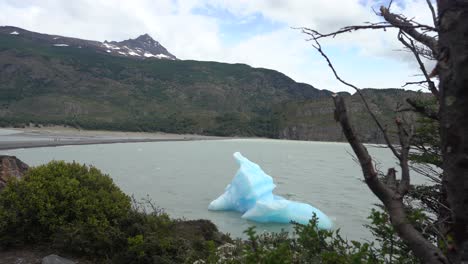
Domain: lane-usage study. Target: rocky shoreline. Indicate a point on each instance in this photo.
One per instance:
(14, 138)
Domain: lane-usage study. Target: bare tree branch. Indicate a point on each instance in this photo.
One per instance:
(365, 160)
(390, 179)
(317, 35)
(405, 138)
(393, 201)
(318, 47)
(434, 16)
(414, 83)
(409, 43)
(373, 26)
(406, 26)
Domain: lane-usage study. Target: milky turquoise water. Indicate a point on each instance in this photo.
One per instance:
(183, 177)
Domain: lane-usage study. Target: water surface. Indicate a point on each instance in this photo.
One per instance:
(183, 177)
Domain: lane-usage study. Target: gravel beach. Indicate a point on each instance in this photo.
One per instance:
(33, 137)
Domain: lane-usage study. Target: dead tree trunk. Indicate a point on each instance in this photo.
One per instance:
(389, 191)
(453, 73)
(447, 41)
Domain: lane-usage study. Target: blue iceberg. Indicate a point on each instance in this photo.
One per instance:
(251, 193)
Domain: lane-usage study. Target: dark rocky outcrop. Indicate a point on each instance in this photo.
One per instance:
(200, 230)
(10, 166)
(314, 119)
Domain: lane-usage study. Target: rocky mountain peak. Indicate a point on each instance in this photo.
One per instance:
(145, 40)
(145, 37)
(142, 47)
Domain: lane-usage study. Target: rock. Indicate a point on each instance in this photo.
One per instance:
(54, 259)
(193, 230)
(10, 166)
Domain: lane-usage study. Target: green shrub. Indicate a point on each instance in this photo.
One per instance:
(324, 246)
(149, 236)
(308, 244)
(61, 198)
(76, 209)
(268, 248)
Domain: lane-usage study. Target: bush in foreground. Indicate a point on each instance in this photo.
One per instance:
(78, 210)
(309, 245)
(59, 196)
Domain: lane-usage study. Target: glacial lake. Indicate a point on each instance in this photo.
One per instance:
(183, 177)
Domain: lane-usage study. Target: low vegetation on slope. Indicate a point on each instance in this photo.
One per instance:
(77, 86)
(80, 87)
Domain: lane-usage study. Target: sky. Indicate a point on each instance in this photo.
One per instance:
(261, 33)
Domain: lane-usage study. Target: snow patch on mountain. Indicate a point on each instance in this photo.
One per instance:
(162, 56)
(109, 46)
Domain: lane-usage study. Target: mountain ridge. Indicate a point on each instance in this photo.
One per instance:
(91, 89)
(40, 83)
(142, 47)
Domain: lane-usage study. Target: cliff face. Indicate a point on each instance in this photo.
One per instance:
(314, 119)
(10, 166)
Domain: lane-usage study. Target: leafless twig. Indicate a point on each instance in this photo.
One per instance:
(409, 43)
(414, 83)
(434, 16)
(318, 47)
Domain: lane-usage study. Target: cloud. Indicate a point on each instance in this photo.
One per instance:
(376, 55)
(188, 36)
(202, 35)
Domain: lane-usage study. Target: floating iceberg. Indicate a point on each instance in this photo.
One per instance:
(251, 193)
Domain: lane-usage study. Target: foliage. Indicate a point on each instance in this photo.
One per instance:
(309, 244)
(60, 196)
(267, 248)
(426, 140)
(78, 210)
(390, 246)
(323, 246)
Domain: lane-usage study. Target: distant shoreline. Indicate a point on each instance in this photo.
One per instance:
(55, 136)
